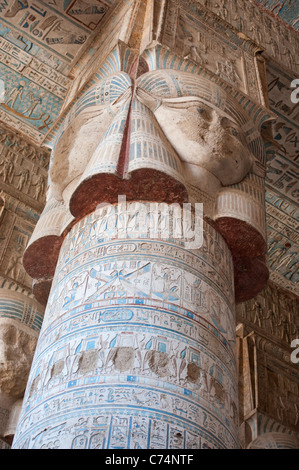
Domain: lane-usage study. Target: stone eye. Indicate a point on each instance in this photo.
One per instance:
(234, 132)
(202, 111)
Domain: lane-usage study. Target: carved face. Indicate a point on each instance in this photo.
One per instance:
(206, 138)
(210, 147)
(16, 353)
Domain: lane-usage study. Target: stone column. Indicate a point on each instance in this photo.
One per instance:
(137, 348)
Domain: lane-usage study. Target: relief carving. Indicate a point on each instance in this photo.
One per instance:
(183, 116)
(274, 311)
(23, 168)
(192, 48)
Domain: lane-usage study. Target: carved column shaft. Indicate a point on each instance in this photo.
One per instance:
(137, 348)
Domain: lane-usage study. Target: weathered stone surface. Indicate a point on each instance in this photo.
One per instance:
(166, 102)
(17, 346)
(275, 440)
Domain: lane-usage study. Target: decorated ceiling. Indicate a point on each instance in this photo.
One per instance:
(282, 182)
(41, 41)
(286, 10)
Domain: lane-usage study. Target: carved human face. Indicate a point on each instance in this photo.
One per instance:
(211, 146)
(206, 138)
(16, 354)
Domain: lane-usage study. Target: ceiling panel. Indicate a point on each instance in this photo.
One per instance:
(39, 43)
(286, 10)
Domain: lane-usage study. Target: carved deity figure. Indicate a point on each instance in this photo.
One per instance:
(285, 328)
(208, 143)
(24, 178)
(16, 93)
(35, 102)
(272, 317)
(7, 169)
(227, 70)
(15, 264)
(40, 187)
(190, 45)
(258, 314)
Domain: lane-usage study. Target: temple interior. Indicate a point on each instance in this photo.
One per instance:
(116, 332)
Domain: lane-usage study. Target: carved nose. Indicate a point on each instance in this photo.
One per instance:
(216, 130)
(218, 120)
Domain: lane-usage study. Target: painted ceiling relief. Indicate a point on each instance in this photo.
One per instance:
(39, 41)
(286, 10)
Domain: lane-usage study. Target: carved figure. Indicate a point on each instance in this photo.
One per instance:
(210, 143)
(15, 264)
(24, 178)
(7, 170)
(40, 187)
(273, 320)
(16, 93)
(35, 101)
(258, 314)
(227, 70)
(191, 46)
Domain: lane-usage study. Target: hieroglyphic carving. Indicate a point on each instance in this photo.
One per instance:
(38, 45)
(281, 400)
(282, 183)
(273, 311)
(16, 229)
(23, 167)
(32, 68)
(285, 10)
(20, 314)
(268, 386)
(51, 26)
(194, 34)
(149, 323)
(22, 180)
(248, 19)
